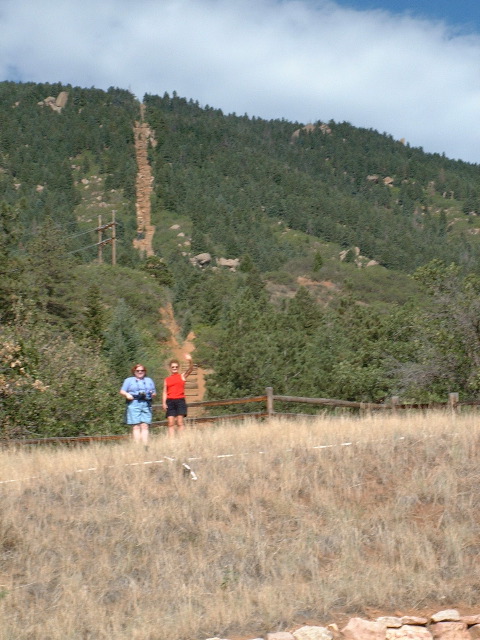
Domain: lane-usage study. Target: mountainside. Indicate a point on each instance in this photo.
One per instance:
(310, 237)
(239, 181)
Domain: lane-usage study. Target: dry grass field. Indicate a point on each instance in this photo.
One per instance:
(286, 530)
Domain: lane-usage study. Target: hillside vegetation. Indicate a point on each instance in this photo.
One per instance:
(358, 270)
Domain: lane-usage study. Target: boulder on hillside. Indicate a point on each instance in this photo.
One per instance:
(310, 128)
(56, 104)
(201, 260)
(231, 263)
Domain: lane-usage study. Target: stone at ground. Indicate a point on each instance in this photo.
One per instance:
(448, 615)
(359, 629)
(450, 631)
(390, 621)
(409, 632)
(312, 633)
(414, 620)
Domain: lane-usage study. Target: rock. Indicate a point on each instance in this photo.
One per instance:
(279, 635)
(390, 621)
(358, 629)
(62, 99)
(335, 631)
(201, 259)
(448, 615)
(231, 263)
(450, 631)
(474, 632)
(414, 620)
(313, 633)
(471, 620)
(175, 226)
(310, 128)
(409, 632)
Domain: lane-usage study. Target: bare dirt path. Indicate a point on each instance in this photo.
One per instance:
(145, 230)
(195, 386)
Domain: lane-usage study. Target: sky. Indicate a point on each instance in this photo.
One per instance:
(409, 68)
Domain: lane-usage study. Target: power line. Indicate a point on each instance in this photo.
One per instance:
(82, 233)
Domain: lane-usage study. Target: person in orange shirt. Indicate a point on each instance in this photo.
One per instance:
(174, 395)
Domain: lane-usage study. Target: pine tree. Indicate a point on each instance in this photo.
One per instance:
(123, 343)
(94, 319)
(50, 272)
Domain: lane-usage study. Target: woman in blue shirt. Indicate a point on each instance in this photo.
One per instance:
(138, 390)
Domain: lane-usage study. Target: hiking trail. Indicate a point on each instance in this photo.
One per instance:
(145, 230)
(195, 385)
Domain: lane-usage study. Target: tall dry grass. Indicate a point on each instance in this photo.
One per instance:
(93, 547)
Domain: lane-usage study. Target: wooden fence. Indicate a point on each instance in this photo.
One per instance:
(268, 400)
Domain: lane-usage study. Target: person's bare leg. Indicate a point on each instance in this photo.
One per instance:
(171, 426)
(180, 425)
(144, 433)
(137, 437)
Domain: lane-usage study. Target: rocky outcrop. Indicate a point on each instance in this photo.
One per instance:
(444, 625)
(231, 263)
(358, 259)
(56, 104)
(310, 128)
(201, 260)
(387, 181)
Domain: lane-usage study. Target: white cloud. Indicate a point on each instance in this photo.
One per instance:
(299, 60)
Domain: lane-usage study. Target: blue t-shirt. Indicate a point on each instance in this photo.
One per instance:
(135, 386)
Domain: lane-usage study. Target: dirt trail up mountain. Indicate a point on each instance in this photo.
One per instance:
(145, 229)
(195, 385)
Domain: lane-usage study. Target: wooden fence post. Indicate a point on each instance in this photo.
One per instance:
(453, 401)
(269, 394)
(394, 400)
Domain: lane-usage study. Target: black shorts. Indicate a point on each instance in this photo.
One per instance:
(176, 407)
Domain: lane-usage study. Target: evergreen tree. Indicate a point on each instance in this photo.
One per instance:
(50, 272)
(123, 343)
(94, 319)
(11, 268)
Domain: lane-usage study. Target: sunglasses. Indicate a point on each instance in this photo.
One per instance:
(140, 370)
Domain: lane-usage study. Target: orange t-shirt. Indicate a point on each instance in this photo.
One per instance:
(175, 386)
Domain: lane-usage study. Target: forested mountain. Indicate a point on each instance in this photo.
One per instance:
(232, 176)
(304, 209)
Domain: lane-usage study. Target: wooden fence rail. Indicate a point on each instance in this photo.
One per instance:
(269, 400)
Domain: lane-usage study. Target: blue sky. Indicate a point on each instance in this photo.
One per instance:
(410, 69)
(463, 14)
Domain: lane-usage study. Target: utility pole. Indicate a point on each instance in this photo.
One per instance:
(100, 242)
(112, 240)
